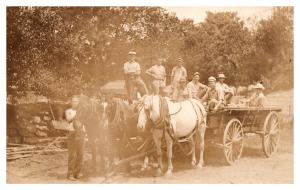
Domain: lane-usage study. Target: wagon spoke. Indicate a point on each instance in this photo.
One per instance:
(229, 154)
(229, 144)
(271, 130)
(239, 133)
(275, 126)
(274, 141)
(272, 146)
(239, 140)
(267, 136)
(228, 138)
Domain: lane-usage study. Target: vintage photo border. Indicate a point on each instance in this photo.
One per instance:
(185, 3)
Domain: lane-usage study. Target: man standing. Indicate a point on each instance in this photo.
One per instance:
(132, 71)
(214, 97)
(228, 92)
(76, 141)
(195, 87)
(178, 73)
(181, 92)
(158, 75)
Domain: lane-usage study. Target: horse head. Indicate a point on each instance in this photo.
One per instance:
(148, 109)
(104, 114)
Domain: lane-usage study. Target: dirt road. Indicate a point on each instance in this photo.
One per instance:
(253, 167)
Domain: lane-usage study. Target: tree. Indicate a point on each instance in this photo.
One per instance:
(274, 45)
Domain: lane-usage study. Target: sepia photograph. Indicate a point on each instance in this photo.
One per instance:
(149, 95)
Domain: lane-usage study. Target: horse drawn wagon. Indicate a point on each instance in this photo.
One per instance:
(227, 128)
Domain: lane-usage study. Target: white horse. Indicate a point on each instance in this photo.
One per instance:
(185, 119)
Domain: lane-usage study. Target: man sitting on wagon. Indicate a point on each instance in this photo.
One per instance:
(257, 99)
(214, 97)
(228, 92)
(196, 89)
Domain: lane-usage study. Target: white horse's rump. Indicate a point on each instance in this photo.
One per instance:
(192, 113)
(184, 116)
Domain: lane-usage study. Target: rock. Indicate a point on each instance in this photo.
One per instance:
(27, 132)
(46, 113)
(42, 128)
(46, 118)
(40, 134)
(36, 119)
(31, 128)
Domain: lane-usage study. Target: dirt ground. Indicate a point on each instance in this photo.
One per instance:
(253, 167)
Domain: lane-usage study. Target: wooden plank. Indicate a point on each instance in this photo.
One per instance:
(35, 151)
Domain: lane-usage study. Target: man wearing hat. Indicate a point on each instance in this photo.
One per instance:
(76, 141)
(180, 93)
(214, 97)
(158, 75)
(195, 88)
(257, 99)
(224, 87)
(132, 71)
(178, 72)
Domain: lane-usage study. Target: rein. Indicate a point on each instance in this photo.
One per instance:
(117, 118)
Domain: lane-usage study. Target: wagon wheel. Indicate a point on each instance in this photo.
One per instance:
(233, 140)
(271, 133)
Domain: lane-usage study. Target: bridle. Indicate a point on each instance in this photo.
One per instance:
(161, 118)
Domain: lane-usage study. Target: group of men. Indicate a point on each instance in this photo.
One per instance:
(215, 95)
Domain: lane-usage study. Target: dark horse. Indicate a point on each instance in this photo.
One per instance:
(125, 139)
(111, 130)
(92, 114)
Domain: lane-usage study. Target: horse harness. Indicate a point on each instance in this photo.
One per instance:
(164, 121)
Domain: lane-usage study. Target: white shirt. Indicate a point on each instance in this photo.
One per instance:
(193, 88)
(132, 68)
(224, 87)
(70, 114)
(178, 73)
(157, 71)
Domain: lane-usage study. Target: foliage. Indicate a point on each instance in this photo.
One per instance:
(61, 51)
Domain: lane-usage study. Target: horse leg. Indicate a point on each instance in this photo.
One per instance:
(145, 163)
(94, 155)
(193, 161)
(169, 142)
(157, 136)
(201, 140)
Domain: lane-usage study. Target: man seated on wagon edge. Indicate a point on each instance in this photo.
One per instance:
(195, 88)
(257, 99)
(214, 97)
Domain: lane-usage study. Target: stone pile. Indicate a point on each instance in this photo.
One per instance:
(31, 123)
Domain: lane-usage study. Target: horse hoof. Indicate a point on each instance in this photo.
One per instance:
(199, 166)
(193, 163)
(168, 173)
